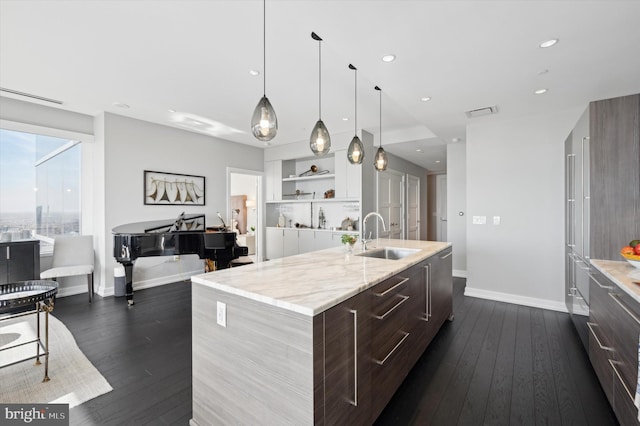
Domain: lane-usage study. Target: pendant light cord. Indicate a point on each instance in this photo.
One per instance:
(264, 47)
(355, 125)
(380, 90)
(319, 80)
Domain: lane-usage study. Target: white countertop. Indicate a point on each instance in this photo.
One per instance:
(311, 283)
(622, 274)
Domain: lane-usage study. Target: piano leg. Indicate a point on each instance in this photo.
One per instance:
(128, 273)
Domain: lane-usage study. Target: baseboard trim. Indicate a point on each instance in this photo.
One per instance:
(515, 299)
(459, 273)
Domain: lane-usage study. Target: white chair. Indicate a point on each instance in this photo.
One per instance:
(72, 256)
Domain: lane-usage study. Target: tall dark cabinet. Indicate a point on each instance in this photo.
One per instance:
(614, 206)
(19, 261)
(615, 175)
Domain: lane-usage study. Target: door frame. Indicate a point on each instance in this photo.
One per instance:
(403, 182)
(260, 211)
(409, 178)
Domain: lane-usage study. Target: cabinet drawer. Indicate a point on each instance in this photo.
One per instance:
(602, 309)
(623, 405)
(388, 371)
(385, 292)
(600, 351)
(627, 332)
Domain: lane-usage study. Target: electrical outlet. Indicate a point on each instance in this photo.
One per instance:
(496, 220)
(221, 314)
(479, 220)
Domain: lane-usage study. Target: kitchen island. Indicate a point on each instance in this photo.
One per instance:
(319, 338)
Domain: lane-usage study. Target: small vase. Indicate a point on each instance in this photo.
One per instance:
(349, 248)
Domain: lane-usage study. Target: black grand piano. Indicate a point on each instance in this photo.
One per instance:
(185, 235)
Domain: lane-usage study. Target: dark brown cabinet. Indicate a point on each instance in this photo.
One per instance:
(347, 362)
(615, 175)
(19, 261)
(373, 340)
(614, 327)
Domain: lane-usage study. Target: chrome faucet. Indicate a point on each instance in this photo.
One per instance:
(364, 228)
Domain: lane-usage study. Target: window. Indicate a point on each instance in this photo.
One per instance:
(39, 185)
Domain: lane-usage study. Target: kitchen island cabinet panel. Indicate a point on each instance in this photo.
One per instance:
(347, 366)
(265, 351)
(290, 350)
(614, 322)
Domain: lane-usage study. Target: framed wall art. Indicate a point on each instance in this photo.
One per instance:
(173, 189)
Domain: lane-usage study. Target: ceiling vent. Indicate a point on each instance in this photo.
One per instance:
(482, 111)
(28, 95)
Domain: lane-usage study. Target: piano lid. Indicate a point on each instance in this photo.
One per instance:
(184, 223)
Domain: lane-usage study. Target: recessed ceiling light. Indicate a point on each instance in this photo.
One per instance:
(171, 110)
(437, 161)
(121, 105)
(455, 140)
(540, 91)
(548, 43)
(345, 118)
(389, 58)
(418, 150)
(254, 72)
(426, 99)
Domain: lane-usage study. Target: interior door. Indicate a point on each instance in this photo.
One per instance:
(390, 203)
(441, 207)
(413, 208)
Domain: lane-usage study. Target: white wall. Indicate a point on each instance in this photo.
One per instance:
(457, 203)
(515, 170)
(132, 146)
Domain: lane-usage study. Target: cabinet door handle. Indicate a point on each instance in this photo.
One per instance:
(383, 316)
(615, 370)
(427, 292)
(606, 287)
(8, 253)
(379, 362)
(355, 357)
(446, 255)
(595, 336)
(384, 293)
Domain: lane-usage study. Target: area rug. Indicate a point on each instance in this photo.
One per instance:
(74, 379)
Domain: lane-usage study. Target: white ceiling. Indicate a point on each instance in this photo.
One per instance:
(194, 57)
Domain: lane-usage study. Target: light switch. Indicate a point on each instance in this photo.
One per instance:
(496, 220)
(222, 314)
(479, 220)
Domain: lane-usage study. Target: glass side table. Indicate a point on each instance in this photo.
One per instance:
(39, 293)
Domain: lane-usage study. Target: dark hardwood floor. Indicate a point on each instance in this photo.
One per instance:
(495, 364)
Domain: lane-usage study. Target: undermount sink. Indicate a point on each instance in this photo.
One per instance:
(390, 253)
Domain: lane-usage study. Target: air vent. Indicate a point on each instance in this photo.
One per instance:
(482, 111)
(28, 95)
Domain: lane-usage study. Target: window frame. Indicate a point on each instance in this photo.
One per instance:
(76, 137)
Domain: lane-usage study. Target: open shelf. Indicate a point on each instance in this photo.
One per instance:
(316, 200)
(312, 177)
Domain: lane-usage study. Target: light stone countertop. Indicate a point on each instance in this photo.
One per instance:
(311, 283)
(621, 273)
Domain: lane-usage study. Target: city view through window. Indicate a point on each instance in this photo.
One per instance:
(39, 186)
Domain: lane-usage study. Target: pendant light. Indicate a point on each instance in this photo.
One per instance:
(320, 141)
(264, 123)
(355, 153)
(380, 161)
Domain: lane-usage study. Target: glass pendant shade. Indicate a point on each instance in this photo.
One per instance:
(355, 153)
(264, 123)
(380, 161)
(320, 141)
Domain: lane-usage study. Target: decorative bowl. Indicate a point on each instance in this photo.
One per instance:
(633, 259)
